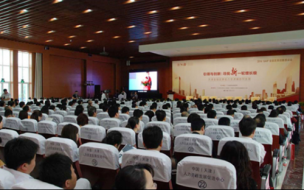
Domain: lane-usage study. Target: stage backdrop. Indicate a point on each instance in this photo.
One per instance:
(264, 77)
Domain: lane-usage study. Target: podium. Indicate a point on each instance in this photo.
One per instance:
(89, 84)
(170, 95)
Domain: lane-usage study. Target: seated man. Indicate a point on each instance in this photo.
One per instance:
(198, 126)
(8, 113)
(231, 113)
(138, 114)
(211, 114)
(20, 158)
(161, 115)
(58, 170)
(192, 117)
(153, 138)
(113, 113)
(21, 105)
(125, 110)
(224, 121)
(153, 108)
(2, 104)
(260, 120)
(247, 129)
(92, 111)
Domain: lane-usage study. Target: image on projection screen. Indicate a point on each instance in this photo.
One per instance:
(143, 81)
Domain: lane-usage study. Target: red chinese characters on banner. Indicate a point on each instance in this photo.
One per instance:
(234, 72)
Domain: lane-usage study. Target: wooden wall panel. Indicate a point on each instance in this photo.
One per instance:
(68, 76)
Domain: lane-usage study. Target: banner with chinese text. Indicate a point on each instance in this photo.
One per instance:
(264, 77)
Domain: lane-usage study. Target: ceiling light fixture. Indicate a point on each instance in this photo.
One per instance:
(301, 14)
(23, 11)
(83, 47)
(152, 12)
(116, 37)
(111, 19)
(241, 11)
(203, 25)
(51, 31)
(48, 41)
(89, 41)
(78, 26)
(87, 11)
(255, 28)
(300, 3)
(130, 1)
(191, 18)
(53, 19)
(131, 41)
(249, 20)
(2, 32)
(57, 1)
(147, 33)
(131, 57)
(227, 0)
(72, 36)
(25, 26)
(99, 32)
(183, 28)
(170, 20)
(195, 34)
(175, 8)
(67, 44)
(27, 37)
(132, 26)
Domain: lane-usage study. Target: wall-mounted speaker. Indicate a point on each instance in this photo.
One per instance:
(128, 63)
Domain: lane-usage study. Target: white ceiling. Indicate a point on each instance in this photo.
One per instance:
(247, 43)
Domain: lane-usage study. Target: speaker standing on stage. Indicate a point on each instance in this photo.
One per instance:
(75, 95)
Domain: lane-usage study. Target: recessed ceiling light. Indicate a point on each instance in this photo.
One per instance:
(67, 44)
(48, 41)
(87, 11)
(53, 19)
(170, 20)
(301, 14)
(191, 18)
(51, 31)
(130, 1)
(131, 57)
(203, 25)
(300, 3)
(195, 34)
(111, 19)
(255, 28)
(249, 20)
(183, 28)
(57, 1)
(99, 32)
(116, 37)
(227, 0)
(78, 26)
(241, 11)
(26, 37)
(23, 11)
(175, 8)
(72, 36)
(131, 41)
(147, 33)
(89, 41)
(2, 32)
(152, 12)
(132, 26)
(25, 26)
(83, 47)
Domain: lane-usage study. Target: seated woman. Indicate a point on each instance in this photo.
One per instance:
(237, 154)
(133, 123)
(113, 138)
(70, 132)
(37, 115)
(82, 120)
(135, 177)
(23, 115)
(45, 110)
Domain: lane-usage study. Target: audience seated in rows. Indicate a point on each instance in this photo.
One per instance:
(134, 124)
(113, 138)
(70, 132)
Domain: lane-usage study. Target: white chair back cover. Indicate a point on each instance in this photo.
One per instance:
(62, 146)
(99, 155)
(251, 146)
(12, 123)
(16, 113)
(124, 117)
(193, 144)
(160, 162)
(128, 135)
(124, 124)
(7, 180)
(60, 112)
(145, 119)
(103, 115)
(219, 113)
(2, 113)
(225, 116)
(168, 119)
(206, 173)
(277, 120)
(36, 138)
(217, 132)
(182, 128)
(238, 116)
(70, 119)
(263, 136)
(109, 123)
(51, 112)
(235, 125)
(44, 117)
(273, 127)
(29, 125)
(93, 132)
(179, 120)
(164, 126)
(47, 127)
(61, 125)
(210, 122)
(93, 121)
(203, 116)
(57, 118)
(34, 184)
(176, 115)
(7, 135)
(245, 112)
(166, 142)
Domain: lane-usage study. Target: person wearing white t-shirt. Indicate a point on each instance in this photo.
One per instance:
(58, 170)
(103, 97)
(6, 96)
(20, 158)
(247, 128)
